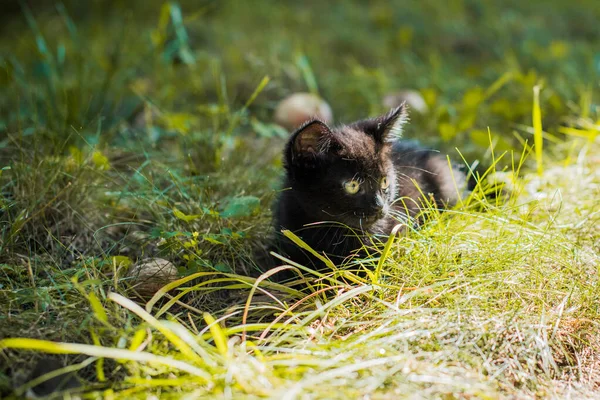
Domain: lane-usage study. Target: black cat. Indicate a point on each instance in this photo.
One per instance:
(345, 184)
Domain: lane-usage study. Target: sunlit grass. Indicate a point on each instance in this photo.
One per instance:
(474, 303)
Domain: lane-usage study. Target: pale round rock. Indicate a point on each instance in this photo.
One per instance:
(413, 99)
(150, 274)
(298, 108)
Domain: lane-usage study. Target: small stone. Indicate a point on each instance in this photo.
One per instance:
(298, 108)
(151, 274)
(413, 99)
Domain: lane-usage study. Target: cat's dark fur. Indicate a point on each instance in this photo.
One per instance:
(319, 163)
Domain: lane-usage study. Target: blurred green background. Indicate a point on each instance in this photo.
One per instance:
(105, 58)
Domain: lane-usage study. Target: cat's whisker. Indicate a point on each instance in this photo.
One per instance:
(417, 169)
(417, 151)
(406, 179)
(327, 212)
(336, 215)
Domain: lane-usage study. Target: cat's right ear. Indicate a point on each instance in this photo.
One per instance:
(309, 140)
(390, 125)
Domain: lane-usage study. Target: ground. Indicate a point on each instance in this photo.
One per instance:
(133, 130)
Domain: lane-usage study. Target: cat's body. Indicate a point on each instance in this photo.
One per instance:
(343, 185)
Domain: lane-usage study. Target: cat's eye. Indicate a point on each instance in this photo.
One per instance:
(385, 183)
(352, 186)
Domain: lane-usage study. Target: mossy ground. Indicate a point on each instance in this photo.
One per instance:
(144, 129)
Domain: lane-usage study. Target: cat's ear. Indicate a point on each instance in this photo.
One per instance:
(310, 139)
(389, 126)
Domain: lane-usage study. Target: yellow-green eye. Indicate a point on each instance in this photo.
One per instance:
(351, 186)
(385, 183)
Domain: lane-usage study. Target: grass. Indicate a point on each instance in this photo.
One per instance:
(144, 130)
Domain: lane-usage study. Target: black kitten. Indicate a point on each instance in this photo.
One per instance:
(344, 184)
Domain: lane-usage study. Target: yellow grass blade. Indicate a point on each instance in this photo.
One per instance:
(582, 133)
(158, 325)
(251, 294)
(537, 129)
(325, 307)
(385, 252)
(264, 82)
(302, 244)
(165, 289)
(99, 311)
(99, 351)
(498, 84)
(217, 334)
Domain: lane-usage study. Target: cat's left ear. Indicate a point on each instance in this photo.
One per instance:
(389, 126)
(311, 139)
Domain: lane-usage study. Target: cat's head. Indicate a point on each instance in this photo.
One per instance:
(345, 174)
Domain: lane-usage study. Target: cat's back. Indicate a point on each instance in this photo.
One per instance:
(423, 171)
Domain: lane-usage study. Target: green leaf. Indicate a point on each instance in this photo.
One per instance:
(212, 238)
(482, 139)
(466, 121)
(447, 131)
(121, 261)
(179, 122)
(222, 267)
(100, 160)
(4, 169)
(76, 154)
(184, 217)
(472, 98)
(241, 207)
